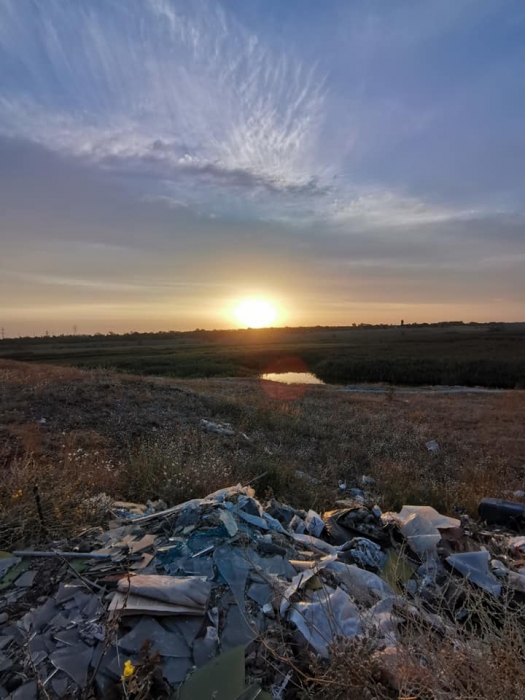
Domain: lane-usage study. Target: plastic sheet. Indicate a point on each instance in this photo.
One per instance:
(328, 614)
(229, 522)
(364, 586)
(298, 582)
(205, 648)
(381, 620)
(475, 567)
(307, 570)
(297, 525)
(248, 504)
(421, 526)
(517, 544)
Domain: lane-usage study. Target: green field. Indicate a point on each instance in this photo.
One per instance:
(491, 355)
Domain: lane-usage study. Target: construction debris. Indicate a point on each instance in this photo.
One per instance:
(432, 446)
(197, 595)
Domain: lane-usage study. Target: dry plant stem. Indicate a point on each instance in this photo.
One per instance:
(38, 503)
(38, 679)
(91, 586)
(112, 627)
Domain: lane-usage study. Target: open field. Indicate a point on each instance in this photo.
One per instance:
(471, 355)
(79, 433)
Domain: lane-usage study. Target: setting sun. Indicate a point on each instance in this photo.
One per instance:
(255, 313)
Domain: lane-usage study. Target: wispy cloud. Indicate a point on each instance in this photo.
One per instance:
(104, 285)
(180, 94)
(385, 209)
(185, 97)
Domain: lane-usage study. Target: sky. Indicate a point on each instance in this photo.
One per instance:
(347, 162)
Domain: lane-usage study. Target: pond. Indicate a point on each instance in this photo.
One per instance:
(292, 378)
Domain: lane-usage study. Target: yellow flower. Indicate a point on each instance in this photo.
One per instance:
(18, 494)
(129, 670)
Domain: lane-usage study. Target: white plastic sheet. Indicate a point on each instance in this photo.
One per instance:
(364, 586)
(329, 613)
(380, 619)
(421, 526)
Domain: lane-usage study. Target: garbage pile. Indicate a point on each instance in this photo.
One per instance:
(209, 591)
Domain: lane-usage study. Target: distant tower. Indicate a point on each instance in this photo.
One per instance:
(402, 323)
(46, 334)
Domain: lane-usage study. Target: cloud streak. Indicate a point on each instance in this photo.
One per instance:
(185, 98)
(182, 95)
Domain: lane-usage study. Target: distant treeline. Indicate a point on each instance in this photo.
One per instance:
(133, 336)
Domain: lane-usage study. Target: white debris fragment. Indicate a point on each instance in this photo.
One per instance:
(421, 526)
(297, 525)
(314, 523)
(328, 613)
(432, 445)
(278, 689)
(219, 428)
(517, 544)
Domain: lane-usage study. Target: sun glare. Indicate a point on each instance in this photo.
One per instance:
(255, 313)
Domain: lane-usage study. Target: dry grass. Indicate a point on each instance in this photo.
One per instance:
(53, 499)
(482, 658)
(334, 435)
(138, 438)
